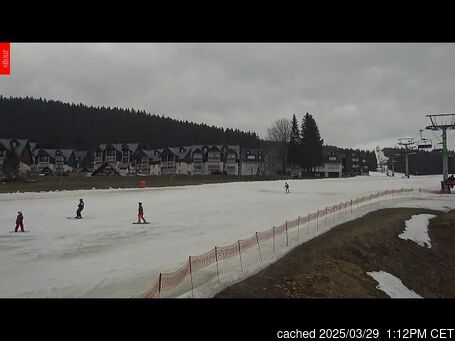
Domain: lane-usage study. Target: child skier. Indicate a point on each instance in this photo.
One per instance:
(19, 222)
(140, 215)
(80, 207)
(286, 186)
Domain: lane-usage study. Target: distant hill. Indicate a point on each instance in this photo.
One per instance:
(54, 124)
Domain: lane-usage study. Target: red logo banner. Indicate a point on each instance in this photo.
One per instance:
(5, 57)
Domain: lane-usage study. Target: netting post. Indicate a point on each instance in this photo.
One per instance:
(326, 215)
(317, 221)
(333, 220)
(217, 269)
(287, 239)
(308, 223)
(351, 205)
(298, 227)
(159, 286)
(240, 255)
(191, 276)
(273, 230)
(259, 247)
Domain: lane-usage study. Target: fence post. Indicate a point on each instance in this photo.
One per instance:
(217, 269)
(159, 286)
(326, 215)
(287, 239)
(259, 248)
(191, 276)
(298, 227)
(308, 223)
(273, 230)
(333, 220)
(351, 205)
(317, 221)
(240, 255)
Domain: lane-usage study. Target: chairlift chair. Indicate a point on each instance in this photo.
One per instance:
(424, 144)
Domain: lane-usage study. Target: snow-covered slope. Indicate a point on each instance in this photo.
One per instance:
(105, 255)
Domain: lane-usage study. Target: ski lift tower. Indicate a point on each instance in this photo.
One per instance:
(442, 122)
(406, 141)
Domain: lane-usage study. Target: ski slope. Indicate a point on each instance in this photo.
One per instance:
(105, 255)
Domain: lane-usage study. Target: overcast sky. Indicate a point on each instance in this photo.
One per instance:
(361, 95)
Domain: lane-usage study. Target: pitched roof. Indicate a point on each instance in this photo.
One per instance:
(7, 144)
(180, 154)
(118, 146)
(151, 154)
(81, 154)
(51, 152)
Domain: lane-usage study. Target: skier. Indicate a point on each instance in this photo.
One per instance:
(140, 214)
(19, 222)
(80, 207)
(286, 186)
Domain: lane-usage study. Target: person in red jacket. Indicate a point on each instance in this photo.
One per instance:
(19, 222)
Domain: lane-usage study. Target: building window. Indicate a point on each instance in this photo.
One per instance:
(231, 158)
(125, 156)
(214, 156)
(43, 159)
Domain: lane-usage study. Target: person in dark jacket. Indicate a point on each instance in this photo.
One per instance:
(140, 215)
(286, 187)
(80, 207)
(19, 222)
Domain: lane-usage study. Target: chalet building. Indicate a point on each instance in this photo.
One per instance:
(175, 160)
(364, 169)
(252, 162)
(147, 162)
(273, 160)
(231, 158)
(118, 156)
(22, 149)
(197, 160)
(332, 166)
(215, 159)
(50, 161)
(355, 163)
(83, 161)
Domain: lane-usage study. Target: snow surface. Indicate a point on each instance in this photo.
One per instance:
(105, 255)
(392, 285)
(417, 229)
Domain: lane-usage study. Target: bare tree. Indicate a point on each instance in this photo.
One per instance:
(280, 131)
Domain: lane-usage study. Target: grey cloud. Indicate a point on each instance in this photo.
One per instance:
(360, 94)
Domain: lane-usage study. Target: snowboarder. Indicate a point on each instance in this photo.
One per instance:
(80, 207)
(19, 222)
(286, 186)
(140, 214)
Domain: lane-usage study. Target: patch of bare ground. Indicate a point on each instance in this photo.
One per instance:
(335, 265)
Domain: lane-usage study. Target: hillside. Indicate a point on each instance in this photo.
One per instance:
(54, 124)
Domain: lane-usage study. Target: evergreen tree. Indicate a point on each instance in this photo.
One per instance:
(10, 167)
(294, 143)
(372, 161)
(83, 127)
(311, 144)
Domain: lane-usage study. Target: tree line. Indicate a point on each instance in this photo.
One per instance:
(53, 124)
(302, 145)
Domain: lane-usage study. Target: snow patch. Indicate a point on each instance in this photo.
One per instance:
(392, 285)
(417, 229)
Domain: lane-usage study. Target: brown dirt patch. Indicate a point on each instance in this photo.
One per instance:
(335, 264)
